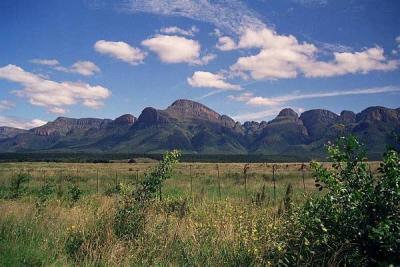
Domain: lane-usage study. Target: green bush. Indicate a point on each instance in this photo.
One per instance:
(44, 194)
(357, 220)
(73, 245)
(17, 187)
(74, 194)
(131, 211)
(130, 216)
(153, 181)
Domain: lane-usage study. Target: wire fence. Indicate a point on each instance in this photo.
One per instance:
(199, 180)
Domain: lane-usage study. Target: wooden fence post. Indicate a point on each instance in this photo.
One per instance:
(273, 179)
(97, 181)
(191, 181)
(219, 183)
(245, 169)
(302, 174)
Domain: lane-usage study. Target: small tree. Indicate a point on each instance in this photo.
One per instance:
(131, 211)
(17, 187)
(357, 221)
(153, 181)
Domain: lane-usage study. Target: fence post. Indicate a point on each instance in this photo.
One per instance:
(191, 181)
(97, 181)
(137, 176)
(219, 183)
(273, 179)
(246, 167)
(302, 174)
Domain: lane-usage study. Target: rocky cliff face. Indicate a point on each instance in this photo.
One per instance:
(382, 114)
(64, 126)
(125, 120)
(347, 117)
(195, 128)
(318, 122)
(185, 109)
(9, 132)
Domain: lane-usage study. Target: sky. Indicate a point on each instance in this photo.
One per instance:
(245, 59)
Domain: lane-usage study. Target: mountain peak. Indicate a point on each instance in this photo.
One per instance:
(378, 113)
(288, 112)
(347, 116)
(127, 119)
(183, 109)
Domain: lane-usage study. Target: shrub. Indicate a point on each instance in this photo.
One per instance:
(131, 211)
(153, 181)
(357, 220)
(44, 193)
(73, 244)
(17, 187)
(130, 216)
(74, 194)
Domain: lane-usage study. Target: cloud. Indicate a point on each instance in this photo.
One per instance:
(20, 123)
(398, 39)
(57, 110)
(52, 95)
(371, 59)
(46, 62)
(311, 3)
(121, 51)
(258, 115)
(210, 80)
(226, 43)
(5, 104)
(278, 56)
(85, 68)
(229, 16)
(176, 49)
(252, 100)
(282, 56)
(177, 30)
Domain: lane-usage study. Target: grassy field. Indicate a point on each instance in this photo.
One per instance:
(205, 215)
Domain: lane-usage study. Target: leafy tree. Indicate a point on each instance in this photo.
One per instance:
(153, 181)
(357, 220)
(17, 187)
(131, 211)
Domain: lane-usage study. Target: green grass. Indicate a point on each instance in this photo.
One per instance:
(224, 225)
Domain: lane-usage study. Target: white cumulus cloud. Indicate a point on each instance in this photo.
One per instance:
(210, 80)
(52, 95)
(121, 51)
(226, 43)
(282, 56)
(176, 49)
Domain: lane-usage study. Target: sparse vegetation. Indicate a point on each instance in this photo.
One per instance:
(349, 215)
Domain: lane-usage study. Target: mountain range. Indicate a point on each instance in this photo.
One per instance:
(196, 129)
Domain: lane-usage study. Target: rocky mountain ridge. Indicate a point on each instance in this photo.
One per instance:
(194, 128)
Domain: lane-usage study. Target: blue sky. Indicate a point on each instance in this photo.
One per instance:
(246, 59)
